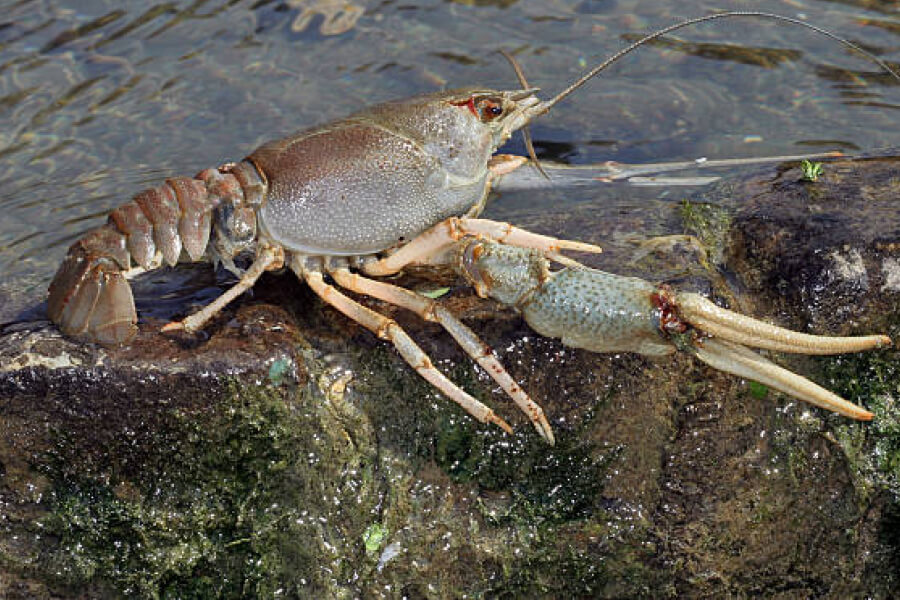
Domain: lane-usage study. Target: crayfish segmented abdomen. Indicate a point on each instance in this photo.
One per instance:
(208, 216)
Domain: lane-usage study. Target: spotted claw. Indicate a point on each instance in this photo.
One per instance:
(602, 312)
(722, 336)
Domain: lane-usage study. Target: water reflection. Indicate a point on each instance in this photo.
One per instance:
(891, 26)
(100, 98)
(82, 31)
(768, 58)
(496, 3)
(338, 16)
(857, 77)
(885, 6)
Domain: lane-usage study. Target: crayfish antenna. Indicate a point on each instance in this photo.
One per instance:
(526, 133)
(545, 106)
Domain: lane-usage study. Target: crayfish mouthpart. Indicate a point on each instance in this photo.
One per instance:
(523, 94)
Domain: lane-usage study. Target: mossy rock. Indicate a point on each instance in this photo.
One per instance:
(293, 454)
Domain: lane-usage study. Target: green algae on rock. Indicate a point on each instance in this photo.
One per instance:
(292, 454)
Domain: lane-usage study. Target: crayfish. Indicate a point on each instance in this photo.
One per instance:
(403, 183)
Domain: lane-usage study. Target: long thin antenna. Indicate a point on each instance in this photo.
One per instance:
(545, 106)
(526, 132)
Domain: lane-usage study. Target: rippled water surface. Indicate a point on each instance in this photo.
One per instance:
(99, 99)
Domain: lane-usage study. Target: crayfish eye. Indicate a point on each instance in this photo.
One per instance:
(490, 108)
(485, 108)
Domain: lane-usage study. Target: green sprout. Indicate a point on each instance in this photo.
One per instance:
(373, 537)
(757, 390)
(811, 170)
(434, 294)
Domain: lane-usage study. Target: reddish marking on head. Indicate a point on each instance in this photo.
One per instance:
(470, 104)
(669, 322)
(484, 109)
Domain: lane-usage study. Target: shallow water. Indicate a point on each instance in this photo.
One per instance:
(99, 98)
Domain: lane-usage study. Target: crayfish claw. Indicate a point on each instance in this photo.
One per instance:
(732, 332)
(710, 318)
(738, 360)
(601, 312)
(493, 418)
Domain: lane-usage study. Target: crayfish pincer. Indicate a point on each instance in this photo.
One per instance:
(603, 312)
(398, 183)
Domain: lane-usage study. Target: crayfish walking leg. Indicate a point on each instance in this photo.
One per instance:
(430, 310)
(310, 270)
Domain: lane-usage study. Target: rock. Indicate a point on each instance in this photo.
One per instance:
(290, 453)
(760, 506)
(823, 254)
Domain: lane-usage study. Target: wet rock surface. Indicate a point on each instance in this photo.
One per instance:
(824, 254)
(288, 453)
